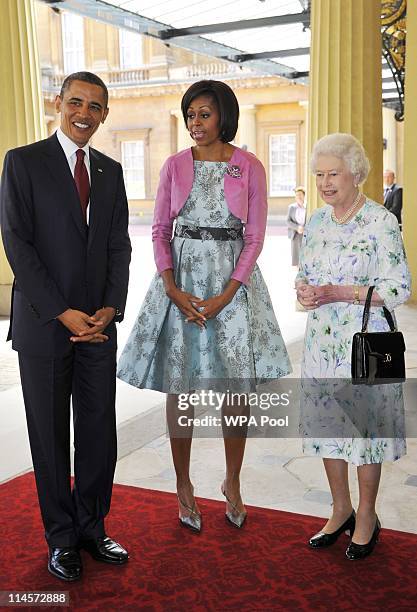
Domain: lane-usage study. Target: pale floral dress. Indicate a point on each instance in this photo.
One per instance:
(368, 250)
(238, 349)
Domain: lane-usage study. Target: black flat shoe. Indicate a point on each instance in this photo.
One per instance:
(65, 563)
(322, 540)
(360, 551)
(105, 549)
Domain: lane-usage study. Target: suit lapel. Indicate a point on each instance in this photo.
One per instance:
(57, 164)
(97, 193)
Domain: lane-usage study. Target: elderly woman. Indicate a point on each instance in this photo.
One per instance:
(349, 244)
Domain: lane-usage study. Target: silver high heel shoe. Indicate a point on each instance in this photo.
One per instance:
(193, 520)
(234, 517)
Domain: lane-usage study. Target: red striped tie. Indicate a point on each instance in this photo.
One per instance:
(82, 182)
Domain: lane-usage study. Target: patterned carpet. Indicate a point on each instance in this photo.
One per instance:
(266, 566)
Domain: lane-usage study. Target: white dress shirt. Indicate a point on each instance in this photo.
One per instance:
(300, 215)
(70, 149)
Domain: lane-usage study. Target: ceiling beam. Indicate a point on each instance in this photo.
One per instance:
(231, 26)
(245, 57)
(298, 75)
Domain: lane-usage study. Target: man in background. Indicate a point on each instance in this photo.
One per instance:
(393, 195)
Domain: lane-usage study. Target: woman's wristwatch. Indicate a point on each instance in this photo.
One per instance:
(356, 298)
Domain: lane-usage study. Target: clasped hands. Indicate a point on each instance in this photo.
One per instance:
(312, 297)
(86, 328)
(195, 309)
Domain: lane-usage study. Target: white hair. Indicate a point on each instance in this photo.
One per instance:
(345, 147)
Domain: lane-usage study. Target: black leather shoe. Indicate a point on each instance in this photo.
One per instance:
(360, 551)
(65, 563)
(321, 540)
(105, 549)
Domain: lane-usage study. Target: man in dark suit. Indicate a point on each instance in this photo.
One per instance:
(393, 195)
(64, 218)
(296, 219)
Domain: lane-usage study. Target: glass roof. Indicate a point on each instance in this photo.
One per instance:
(182, 13)
(187, 13)
(153, 16)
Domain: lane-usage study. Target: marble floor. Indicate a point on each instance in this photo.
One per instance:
(275, 472)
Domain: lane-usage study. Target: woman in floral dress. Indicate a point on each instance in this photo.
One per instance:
(207, 321)
(348, 245)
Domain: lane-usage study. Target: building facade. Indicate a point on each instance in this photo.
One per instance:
(146, 80)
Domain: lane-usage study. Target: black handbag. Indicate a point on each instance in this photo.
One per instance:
(377, 357)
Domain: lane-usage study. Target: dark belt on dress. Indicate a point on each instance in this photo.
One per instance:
(208, 233)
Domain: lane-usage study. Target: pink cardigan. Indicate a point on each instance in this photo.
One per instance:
(246, 198)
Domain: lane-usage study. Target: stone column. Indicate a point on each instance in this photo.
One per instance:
(389, 129)
(247, 128)
(21, 103)
(345, 81)
(409, 217)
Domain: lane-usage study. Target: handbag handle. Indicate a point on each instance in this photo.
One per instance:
(366, 309)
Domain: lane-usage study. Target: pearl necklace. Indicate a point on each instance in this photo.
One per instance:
(348, 212)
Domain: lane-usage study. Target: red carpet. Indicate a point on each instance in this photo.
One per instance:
(265, 567)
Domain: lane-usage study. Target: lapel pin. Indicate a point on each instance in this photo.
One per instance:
(100, 169)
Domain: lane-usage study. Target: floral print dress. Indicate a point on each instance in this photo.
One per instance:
(237, 350)
(368, 250)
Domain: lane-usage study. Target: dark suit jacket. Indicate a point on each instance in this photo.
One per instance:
(393, 201)
(58, 263)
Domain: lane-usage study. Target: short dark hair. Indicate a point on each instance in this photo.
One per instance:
(87, 77)
(225, 99)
